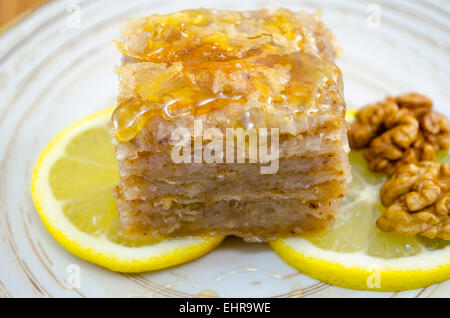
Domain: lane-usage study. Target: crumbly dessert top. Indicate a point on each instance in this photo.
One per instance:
(245, 64)
(224, 35)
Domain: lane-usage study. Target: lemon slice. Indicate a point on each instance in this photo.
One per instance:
(356, 255)
(72, 188)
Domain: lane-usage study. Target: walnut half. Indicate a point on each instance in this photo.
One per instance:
(398, 131)
(417, 198)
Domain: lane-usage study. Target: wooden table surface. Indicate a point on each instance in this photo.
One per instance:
(9, 9)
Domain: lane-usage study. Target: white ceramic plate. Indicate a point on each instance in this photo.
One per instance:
(56, 67)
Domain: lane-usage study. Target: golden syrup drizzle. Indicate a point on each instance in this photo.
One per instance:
(207, 293)
(308, 76)
(195, 61)
(198, 34)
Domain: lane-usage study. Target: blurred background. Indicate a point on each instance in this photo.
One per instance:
(11, 9)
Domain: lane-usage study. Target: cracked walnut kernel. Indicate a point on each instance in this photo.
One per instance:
(417, 198)
(399, 131)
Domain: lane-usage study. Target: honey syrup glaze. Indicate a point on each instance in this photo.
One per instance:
(198, 61)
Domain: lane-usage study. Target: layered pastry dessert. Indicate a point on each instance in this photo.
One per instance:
(262, 70)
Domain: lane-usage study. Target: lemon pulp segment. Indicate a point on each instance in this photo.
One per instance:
(72, 188)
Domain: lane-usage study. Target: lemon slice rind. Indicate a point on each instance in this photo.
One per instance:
(99, 250)
(356, 270)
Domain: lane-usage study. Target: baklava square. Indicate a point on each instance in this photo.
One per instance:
(230, 123)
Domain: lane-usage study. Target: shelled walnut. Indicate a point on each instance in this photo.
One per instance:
(417, 198)
(398, 131)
